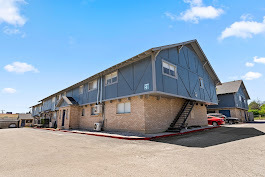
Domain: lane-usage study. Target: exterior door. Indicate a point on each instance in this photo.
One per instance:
(63, 118)
(22, 123)
(225, 112)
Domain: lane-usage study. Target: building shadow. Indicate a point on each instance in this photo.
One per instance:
(256, 122)
(211, 137)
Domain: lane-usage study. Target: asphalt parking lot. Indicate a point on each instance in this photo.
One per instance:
(236, 150)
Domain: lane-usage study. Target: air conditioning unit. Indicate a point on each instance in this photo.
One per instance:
(97, 126)
(98, 109)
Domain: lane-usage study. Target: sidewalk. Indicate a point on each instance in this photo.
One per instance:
(132, 136)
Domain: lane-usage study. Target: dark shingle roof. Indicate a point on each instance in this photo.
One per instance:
(230, 87)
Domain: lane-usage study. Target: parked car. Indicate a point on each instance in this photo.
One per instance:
(12, 125)
(215, 121)
(229, 120)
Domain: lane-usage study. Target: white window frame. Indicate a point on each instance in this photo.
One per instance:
(111, 76)
(201, 82)
(89, 89)
(81, 89)
(123, 112)
(172, 65)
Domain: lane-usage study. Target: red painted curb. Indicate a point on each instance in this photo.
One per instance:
(128, 138)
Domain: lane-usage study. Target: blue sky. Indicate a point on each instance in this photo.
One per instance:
(49, 45)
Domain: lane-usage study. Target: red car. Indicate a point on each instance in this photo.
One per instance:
(215, 121)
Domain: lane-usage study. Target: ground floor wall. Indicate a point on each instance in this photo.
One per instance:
(26, 123)
(148, 114)
(241, 114)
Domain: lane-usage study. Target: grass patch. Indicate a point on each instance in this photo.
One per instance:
(259, 118)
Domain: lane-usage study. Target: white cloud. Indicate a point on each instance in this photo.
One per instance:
(245, 17)
(196, 12)
(248, 64)
(244, 29)
(259, 60)
(252, 75)
(10, 13)
(9, 90)
(19, 67)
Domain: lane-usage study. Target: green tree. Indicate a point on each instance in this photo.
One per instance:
(254, 105)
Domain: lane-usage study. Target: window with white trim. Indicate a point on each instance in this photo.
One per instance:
(92, 85)
(123, 108)
(81, 89)
(201, 82)
(111, 78)
(169, 69)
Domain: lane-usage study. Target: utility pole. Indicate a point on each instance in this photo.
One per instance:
(2, 111)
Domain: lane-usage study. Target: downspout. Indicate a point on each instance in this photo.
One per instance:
(98, 90)
(103, 105)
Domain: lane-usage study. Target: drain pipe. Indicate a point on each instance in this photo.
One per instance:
(103, 104)
(98, 90)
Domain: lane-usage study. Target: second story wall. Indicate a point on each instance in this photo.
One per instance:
(241, 99)
(189, 73)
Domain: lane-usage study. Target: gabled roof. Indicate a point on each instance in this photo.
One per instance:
(68, 100)
(193, 43)
(231, 87)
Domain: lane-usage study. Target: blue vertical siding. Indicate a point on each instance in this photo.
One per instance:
(189, 70)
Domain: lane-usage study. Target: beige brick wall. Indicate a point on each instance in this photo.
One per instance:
(198, 116)
(60, 116)
(160, 113)
(87, 121)
(148, 115)
(134, 121)
(74, 117)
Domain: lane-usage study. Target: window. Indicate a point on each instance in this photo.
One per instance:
(92, 85)
(81, 89)
(29, 121)
(83, 112)
(111, 78)
(169, 69)
(201, 82)
(123, 108)
(53, 99)
(93, 109)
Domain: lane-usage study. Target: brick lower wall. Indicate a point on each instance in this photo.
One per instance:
(148, 115)
(87, 121)
(160, 113)
(134, 121)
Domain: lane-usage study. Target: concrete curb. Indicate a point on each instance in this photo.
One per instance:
(129, 138)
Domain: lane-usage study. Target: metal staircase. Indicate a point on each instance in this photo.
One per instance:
(179, 121)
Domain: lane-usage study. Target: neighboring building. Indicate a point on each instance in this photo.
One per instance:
(232, 100)
(8, 120)
(161, 88)
(25, 120)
